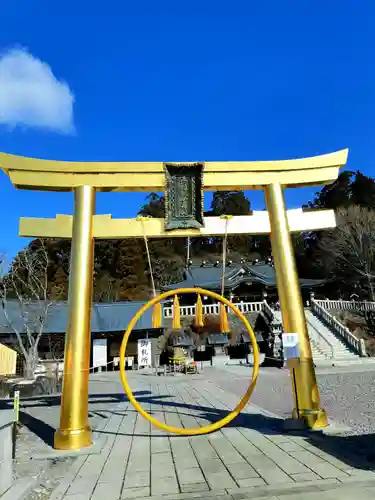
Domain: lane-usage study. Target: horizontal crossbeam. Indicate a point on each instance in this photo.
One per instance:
(49, 175)
(105, 227)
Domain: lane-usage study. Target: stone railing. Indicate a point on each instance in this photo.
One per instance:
(7, 419)
(346, 305)
(276, 328)
(268, 311)
(273, 318)
(275, 325)
(214, 309)
(342, 331)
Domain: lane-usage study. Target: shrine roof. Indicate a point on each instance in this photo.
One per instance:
(217, 339)
(210, 276)
(106, 317)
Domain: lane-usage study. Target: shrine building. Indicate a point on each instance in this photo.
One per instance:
(244, 281)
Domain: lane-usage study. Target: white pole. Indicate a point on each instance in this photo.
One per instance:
(188, 251)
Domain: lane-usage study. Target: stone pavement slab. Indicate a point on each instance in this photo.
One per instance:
(251, 457)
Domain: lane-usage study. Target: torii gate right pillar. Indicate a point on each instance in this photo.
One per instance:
(306, 393)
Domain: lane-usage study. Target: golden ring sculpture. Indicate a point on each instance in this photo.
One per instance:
(245, 398)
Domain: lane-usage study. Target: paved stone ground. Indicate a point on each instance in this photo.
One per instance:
(250, 458)
(348, 395)
(41, 416)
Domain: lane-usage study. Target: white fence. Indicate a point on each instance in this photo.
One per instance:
(346, 305)
(319, 308)
(214, 309)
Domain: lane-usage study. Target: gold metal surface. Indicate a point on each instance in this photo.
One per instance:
(306, 392)
(30, 173)
(74, 431)
(85, 178)
(107, 228)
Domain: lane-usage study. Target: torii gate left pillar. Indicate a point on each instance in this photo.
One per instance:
(87, 178)
(74, 431)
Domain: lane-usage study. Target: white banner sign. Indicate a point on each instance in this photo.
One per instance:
(291, 345)
(99, 352)
(144, 352)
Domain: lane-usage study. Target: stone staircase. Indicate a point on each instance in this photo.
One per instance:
(325, 344)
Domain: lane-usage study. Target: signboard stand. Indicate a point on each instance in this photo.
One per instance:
(99, 353)
(144, 353)
(291, 349)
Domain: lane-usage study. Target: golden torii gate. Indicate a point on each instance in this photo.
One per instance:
(87, 178)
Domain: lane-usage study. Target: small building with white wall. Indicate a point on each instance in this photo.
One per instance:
(108, 324)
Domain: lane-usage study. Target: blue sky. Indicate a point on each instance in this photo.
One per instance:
(181, 81)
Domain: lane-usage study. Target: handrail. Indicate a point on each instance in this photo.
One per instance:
(357, 344)
(269, 312)
(346, 305)
(316, 336)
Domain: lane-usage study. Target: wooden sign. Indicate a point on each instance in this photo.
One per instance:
(144, 352)
(183, 196)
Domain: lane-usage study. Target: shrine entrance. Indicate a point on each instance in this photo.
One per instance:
(184, 185)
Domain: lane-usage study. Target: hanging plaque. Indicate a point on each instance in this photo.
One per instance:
(183, 196)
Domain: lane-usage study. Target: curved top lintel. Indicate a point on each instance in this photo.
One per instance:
(26, 173)
(14, 162)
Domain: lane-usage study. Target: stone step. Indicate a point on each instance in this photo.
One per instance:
(323, 355)
(359, 361)
(340, 353)
(343, 353)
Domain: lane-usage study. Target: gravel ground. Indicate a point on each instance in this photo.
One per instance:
(348, 397)
(47, 472)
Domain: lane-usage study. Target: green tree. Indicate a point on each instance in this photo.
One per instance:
(334, 195)
(168, 255)
(363, 191)
(230, 203)
(155, 206)
(107, 283)
(131, 270)
(349, 189)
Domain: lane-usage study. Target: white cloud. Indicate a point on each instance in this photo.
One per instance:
(30, 95)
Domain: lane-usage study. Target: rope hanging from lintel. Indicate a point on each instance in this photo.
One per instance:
(224, 324)
(199, 319)
(157, 320)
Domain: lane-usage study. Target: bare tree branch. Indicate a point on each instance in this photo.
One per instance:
(25, 288)
(3, 299)
(348, 251)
